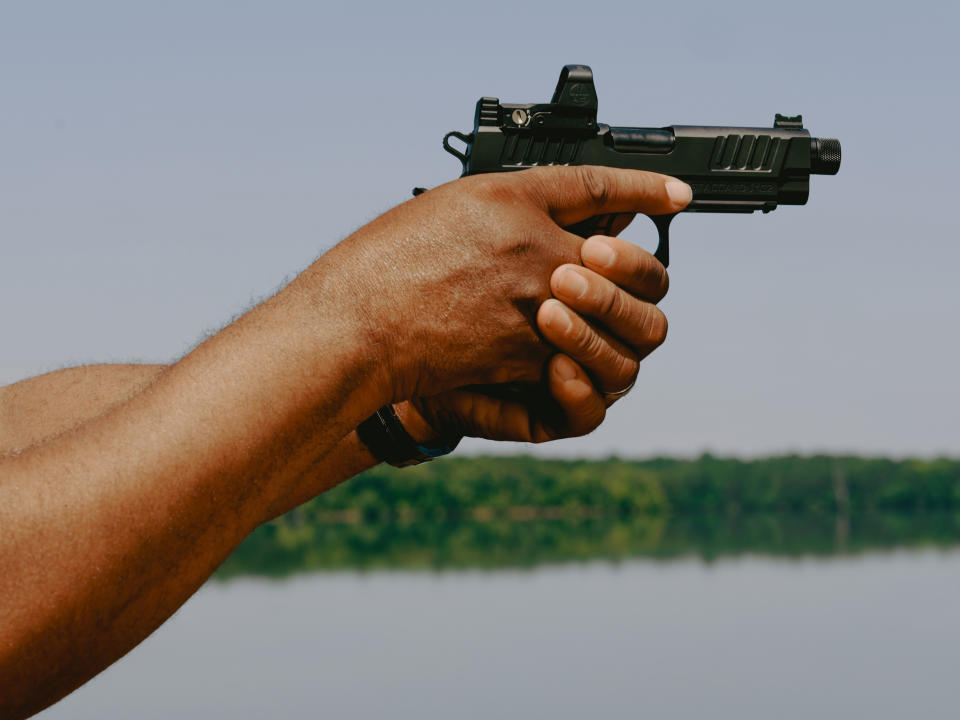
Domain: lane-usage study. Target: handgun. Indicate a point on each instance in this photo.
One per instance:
(731, 169)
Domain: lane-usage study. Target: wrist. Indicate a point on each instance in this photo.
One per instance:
(415, 424)
(346, 327)
(390, 441)
(358, 276)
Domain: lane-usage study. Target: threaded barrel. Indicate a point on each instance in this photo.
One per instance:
(824, 156)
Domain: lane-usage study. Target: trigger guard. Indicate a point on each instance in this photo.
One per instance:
(663, 229)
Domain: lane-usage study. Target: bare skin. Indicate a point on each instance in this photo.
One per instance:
(116, 516)
(43, 407)
(40, 409)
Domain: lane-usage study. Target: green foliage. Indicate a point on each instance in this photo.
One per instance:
(454, 487)
(518, 511)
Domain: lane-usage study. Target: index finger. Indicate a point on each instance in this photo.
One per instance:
(572, 194)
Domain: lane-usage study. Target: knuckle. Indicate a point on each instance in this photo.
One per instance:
(650, 272)
(544, 435)
(520, 244)
(586, 421)
(629, 369)
(588, 342)
(643, 262)
(611, 303)
(595, 421)
(594, 184)
(655, 325)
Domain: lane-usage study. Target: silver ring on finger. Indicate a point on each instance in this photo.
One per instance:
(616, 394)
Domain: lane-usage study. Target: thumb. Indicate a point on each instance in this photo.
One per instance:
(573, 194)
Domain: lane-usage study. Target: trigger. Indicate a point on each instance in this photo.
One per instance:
(663, 228)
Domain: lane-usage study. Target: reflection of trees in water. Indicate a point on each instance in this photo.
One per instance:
(283, 549)
(520, 512)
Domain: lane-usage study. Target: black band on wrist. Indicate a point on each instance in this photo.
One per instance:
(388, 441)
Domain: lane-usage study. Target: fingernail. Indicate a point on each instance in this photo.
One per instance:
(564, 368)
(578, 389)
(572, 283)
(597, 252)
(680, 193)
(557, 318)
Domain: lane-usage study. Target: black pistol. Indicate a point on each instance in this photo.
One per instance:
(731, 169)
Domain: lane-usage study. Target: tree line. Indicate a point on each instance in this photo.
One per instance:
(458, 487)
(521, 511)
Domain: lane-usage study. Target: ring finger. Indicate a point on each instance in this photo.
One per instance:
(612, 365)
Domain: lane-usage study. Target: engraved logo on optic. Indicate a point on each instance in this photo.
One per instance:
(733, 188)
(580, 94)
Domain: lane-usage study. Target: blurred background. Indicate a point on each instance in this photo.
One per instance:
(164, 166)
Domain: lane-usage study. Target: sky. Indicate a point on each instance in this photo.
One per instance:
(164, 166)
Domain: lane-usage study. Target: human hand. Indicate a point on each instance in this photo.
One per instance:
(450, 282)
(608, 323)
(564, 405)
(604, 313)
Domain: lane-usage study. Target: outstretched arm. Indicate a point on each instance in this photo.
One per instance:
(619, 295)
(111, 525)
(42, 408)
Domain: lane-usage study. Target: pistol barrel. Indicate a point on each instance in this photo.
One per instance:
(824, 156)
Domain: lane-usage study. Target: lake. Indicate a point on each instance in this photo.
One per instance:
(874, 634)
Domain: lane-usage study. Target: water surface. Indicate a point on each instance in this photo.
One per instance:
(873, 635)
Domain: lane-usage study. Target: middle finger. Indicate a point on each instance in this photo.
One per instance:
(629, 266)
(640, 324)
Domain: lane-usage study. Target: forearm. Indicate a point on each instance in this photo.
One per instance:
(41, 408)
(151, 495)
